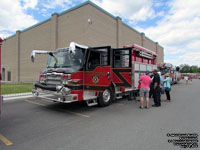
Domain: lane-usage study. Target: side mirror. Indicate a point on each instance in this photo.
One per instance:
(38, 52)
(33, 57)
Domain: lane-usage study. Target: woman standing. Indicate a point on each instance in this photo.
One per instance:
(167, 86)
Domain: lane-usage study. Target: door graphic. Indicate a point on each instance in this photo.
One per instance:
(122, 72)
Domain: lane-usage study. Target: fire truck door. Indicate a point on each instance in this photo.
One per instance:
(122, 64)
(98, 69)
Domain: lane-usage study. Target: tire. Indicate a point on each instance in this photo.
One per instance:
(105, 97)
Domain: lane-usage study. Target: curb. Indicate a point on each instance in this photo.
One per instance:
(17, 96)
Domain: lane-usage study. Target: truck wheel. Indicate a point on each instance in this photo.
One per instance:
(105, 97)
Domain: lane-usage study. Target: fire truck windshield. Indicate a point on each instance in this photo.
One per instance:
(66, 59)
(164, 71)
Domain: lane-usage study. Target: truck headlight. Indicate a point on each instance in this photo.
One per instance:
(66, 91)
(42, 80)
(58, 88)
(65, 81)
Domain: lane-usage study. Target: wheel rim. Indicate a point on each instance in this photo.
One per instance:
(106, 95)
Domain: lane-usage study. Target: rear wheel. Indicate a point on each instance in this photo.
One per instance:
(105, 97)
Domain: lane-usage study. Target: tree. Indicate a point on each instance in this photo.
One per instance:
(194, 69)
(185, 68)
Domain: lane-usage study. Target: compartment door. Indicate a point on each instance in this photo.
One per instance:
(122, 64)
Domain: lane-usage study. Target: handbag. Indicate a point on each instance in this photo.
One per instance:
(167, 89)
(162, 90)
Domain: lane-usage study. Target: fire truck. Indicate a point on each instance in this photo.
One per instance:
(96, 75)
(172, 70)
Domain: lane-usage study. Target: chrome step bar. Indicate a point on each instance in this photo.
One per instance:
(92, 102)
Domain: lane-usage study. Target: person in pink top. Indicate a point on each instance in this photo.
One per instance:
(145, 81)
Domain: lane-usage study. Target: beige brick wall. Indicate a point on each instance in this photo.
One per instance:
(75, 27)
(130, 36)
(9, 57)
(35, 38)
(62, 29)
(160, 53)
(149, 44)
(102, 31)
(71, 27)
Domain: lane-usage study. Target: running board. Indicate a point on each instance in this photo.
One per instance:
(118, 97)
(92, 102)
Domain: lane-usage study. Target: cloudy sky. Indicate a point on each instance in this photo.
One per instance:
(175, 24)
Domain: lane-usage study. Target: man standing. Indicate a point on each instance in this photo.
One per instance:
(151, 87)
(186, 79)
(145, 81)
(161, 85)
(156, 89)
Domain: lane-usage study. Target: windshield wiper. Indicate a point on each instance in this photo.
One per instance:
(54, 57)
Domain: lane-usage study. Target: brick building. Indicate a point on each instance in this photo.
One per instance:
(86, 24)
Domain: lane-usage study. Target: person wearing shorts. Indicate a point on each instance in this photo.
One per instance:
(145, 81)
(186, 79)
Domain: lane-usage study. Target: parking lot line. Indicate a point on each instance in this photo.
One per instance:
(78, 114)
(5, 140)
(71, 112)
(35, 103)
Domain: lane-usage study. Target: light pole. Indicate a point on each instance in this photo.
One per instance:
(1, 98)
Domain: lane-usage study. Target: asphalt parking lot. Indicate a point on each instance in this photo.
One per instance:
(34, 124)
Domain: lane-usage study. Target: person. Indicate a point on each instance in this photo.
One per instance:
(190, 79)
(139, 86)
(161, 79)
(161, 85)
(156, 89)
(151, 87)
(186, 79)
(167, 86)
(145, 81)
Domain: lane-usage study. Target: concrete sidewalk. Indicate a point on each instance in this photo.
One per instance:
(17, 96)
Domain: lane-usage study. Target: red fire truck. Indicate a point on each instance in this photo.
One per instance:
(172, 70)
(96, 75)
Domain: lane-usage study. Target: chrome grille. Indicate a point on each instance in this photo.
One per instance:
(52, 79)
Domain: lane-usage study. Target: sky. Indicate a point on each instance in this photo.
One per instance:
(174, 24)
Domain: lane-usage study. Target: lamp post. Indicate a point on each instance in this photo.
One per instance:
(1, 98)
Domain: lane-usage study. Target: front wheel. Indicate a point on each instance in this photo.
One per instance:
(105, 97)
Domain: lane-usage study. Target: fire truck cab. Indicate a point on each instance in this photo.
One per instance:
(172, 70)
(97, 75)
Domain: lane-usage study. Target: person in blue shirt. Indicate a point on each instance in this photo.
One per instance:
(161, 85)
(167, 86)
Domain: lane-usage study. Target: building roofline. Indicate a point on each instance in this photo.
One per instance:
(161, 46)
(35, 25)
(76, 7)
(85, 3)
(131, 27)
(63, 12)
(10, 36)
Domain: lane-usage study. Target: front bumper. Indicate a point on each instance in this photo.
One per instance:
(54, 93)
